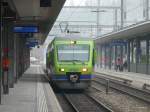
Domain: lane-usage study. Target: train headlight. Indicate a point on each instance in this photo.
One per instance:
(62, 69)
(84, 69)
(73, 42)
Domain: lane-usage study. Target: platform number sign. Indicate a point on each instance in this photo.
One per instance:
(45, 3)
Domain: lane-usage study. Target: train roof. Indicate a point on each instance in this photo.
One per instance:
(72, 37)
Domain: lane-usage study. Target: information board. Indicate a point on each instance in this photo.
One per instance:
(26, 29)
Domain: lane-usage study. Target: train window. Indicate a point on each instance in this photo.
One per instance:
(94, 57)
(73, 52)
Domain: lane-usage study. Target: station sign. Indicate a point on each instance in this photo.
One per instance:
(45, 3)
(119, 42)
(32, 40)
(25, 29)
(32, 44)
(25, 35)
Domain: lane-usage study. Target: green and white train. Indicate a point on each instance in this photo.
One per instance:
(70, 62)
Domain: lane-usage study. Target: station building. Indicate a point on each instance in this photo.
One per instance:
(131, 44)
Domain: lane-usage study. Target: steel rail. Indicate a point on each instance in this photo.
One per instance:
(80, 108)
(125, 88)
(70, 102)
(98, 102)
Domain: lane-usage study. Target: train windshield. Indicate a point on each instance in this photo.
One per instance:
(73, 52)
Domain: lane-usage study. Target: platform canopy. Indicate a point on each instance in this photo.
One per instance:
(138, 30)
(37, 12)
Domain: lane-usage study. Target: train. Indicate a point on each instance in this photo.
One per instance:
(70, 62)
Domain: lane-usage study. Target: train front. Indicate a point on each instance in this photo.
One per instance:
(73, 64)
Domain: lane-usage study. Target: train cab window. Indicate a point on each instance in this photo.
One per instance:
(73, 52)
(94, 57)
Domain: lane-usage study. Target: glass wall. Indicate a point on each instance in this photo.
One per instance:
(142, 52)
(133, 51)
(138, 55)
(103, 57)
(113, 57)
(107, 57)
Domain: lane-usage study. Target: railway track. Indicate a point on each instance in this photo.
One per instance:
(82, 102)
(125, 88)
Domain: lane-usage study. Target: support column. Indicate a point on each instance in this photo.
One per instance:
(147, 57)
(128, 56)
(5, 77)
(110, 57)
(11, 56)
(1, 59)
(137, 53)
(115, 55)
(14, 53)
(105, 55)
(17, 57)
(101, 54)
(121, 48)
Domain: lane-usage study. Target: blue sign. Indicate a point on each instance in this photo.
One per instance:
(45, 3)
(26, 29)
(26, 35)
(31, 44)
(119, 42)
(32, 40)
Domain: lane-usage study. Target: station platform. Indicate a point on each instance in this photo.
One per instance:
(32, 93)
(138, 79)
